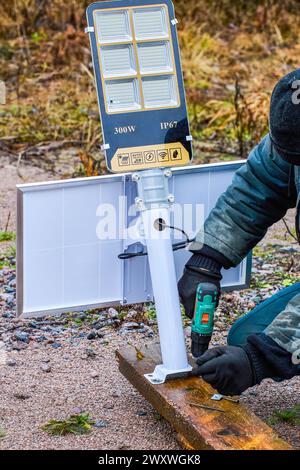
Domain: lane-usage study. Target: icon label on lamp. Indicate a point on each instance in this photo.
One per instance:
(137, 158)
(175, 154)
(162, 155)
(157, 156)
(124, 159)
(150, 156)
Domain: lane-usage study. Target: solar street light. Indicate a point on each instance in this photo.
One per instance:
(63, 265)
(145, 127)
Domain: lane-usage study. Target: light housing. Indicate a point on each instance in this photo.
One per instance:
(139, 83)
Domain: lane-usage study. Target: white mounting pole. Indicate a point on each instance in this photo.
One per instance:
(154, 203)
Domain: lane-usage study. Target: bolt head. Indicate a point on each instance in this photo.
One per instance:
(171, 198)
(139, 202)
(156, 381)
(168, 173)
(136, 177)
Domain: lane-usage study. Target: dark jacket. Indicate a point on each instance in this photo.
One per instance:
(261, 192)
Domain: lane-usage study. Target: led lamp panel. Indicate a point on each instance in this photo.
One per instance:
(113, 26)
(150, 23)
(158, 91)
(139, 84)
(70, 233)
(155, 57)
(118, 60)
(122, 93)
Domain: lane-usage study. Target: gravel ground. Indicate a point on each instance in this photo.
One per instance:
(76, 383)
(50, 369)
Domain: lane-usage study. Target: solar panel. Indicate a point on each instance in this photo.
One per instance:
(70, 233)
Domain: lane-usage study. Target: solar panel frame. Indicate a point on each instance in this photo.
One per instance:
(133, 275)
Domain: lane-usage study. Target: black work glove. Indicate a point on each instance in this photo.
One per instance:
(228, 369)
(198, 269)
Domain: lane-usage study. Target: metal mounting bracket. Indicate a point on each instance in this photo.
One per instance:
(161, 374)
(154, 201)
(105, 147)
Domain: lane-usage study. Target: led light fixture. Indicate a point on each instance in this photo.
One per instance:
(139, 83)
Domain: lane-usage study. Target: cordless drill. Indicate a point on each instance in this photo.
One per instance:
(203, 320)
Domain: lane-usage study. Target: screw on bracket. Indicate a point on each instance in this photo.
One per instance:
(135, 177)
(139, 202)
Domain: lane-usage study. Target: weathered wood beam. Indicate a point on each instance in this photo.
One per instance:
(233, 428)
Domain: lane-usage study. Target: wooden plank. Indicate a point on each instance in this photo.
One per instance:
(233, 428)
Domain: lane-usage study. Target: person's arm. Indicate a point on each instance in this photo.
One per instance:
(261, 192)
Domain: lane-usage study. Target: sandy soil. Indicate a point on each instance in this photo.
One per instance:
(76, 382)
(31, 397)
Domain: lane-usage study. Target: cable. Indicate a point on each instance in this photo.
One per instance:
(175, 246)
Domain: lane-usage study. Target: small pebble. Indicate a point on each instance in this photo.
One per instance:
(92, 335)
(100, 423)
(109, 406)
(11, 362)
(7, 315)
(22, 336)
(21, 395)
(40, 338)
(130, 325)
(94, 374)
(18, 345)
(76, 411)
(46, 368)
(112, 312)
(187, 331)
(90, 353)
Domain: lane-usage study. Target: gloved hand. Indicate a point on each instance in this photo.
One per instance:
(198, 269)
(227, 368)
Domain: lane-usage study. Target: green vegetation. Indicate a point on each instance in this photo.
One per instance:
(75, 424)
(2, 433)
(150, 313)
(8, 257)
(288, 415)
(7, 236)
(266, 252)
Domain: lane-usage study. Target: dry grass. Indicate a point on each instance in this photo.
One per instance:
(233, 52)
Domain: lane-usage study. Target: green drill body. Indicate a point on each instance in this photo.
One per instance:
(203, 320)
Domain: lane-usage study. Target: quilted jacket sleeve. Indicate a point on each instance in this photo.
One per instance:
(261, 192)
